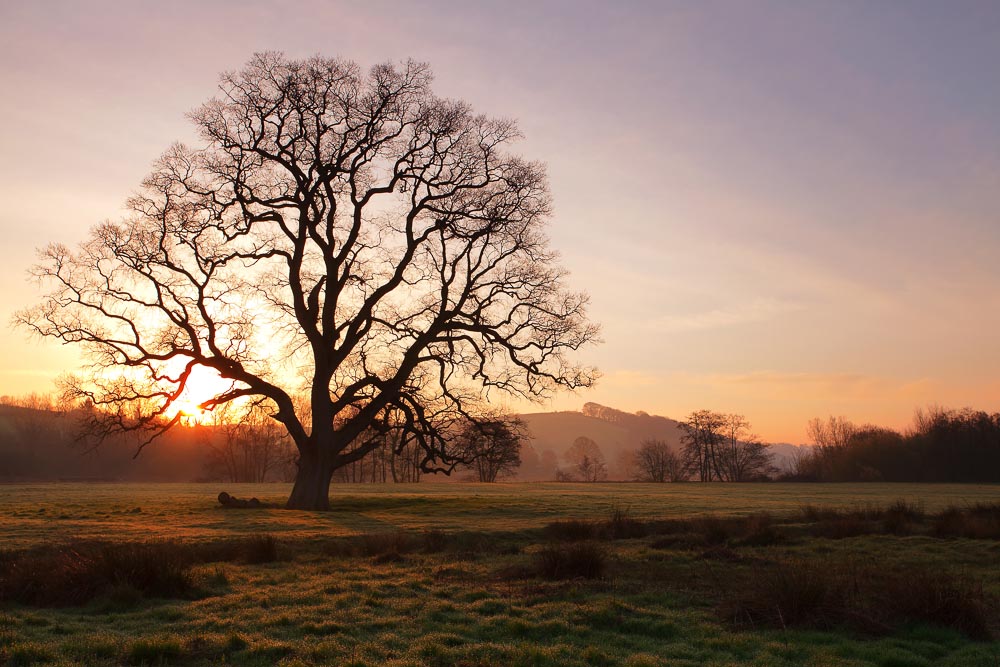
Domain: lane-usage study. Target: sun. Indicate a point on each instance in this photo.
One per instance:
(202, 385)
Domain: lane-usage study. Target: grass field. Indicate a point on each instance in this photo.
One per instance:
(469, 574)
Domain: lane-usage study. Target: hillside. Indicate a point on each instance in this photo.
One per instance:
(617, 433)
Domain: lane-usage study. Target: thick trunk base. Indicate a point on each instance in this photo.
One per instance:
(312, 487)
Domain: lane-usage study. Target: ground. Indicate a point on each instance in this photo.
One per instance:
(454, 574)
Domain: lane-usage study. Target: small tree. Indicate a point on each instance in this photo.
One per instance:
(742, 456)
(655, 461)
(491, 449)
(701, 442)
(586, 460)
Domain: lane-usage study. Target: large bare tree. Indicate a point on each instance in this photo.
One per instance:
(340, 233)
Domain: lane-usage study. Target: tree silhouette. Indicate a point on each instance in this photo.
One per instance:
(491, 449)
(344, 235)
(655, 461)
(586, 460)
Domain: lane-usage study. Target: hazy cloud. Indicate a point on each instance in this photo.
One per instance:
(810, 385)
(756, 310)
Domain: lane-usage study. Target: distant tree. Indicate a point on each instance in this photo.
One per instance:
(586, 460)
(548, 464)
(350, 224)
(742, 457)
(248, 446)
(831, 433)
(702, 440)
(491, 449)
(655, 461)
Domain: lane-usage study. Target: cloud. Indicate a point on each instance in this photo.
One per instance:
(755, 310)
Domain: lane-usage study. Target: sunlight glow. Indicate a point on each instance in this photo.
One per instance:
(203, 384)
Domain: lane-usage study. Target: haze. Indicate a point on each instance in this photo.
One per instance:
(781, 209)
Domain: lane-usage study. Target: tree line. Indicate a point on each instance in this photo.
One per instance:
(960, 446)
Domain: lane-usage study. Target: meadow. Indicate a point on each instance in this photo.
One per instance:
(891, 575)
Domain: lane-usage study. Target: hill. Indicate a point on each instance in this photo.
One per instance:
(617, 433)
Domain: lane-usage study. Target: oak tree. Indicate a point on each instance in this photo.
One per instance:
(340, 234)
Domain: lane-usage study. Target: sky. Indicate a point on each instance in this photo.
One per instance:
(782, 209)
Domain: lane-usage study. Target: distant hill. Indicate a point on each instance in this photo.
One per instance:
(617, 433)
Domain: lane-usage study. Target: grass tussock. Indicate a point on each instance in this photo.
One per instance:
(75, 574)
(862, 598)
(978, 522)
(621, 525)
(122, 573)
(154, 652)
(571, 530)
(577, 560)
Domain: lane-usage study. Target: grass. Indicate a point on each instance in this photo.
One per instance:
(613, 574)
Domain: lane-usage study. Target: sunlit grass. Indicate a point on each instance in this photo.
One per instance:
(36, 512)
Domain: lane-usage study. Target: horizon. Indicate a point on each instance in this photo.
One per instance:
(785, 211)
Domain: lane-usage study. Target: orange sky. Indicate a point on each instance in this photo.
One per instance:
(786, 210)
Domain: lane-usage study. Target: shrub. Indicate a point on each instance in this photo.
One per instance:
(579, 560)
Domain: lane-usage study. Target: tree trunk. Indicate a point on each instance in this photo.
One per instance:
(312, 484)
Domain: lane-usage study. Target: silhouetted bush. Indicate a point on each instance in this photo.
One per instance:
(579, 560)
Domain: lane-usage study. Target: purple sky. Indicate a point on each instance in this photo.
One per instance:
(783, 209)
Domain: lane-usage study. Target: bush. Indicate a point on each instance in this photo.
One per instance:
(580, 560)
